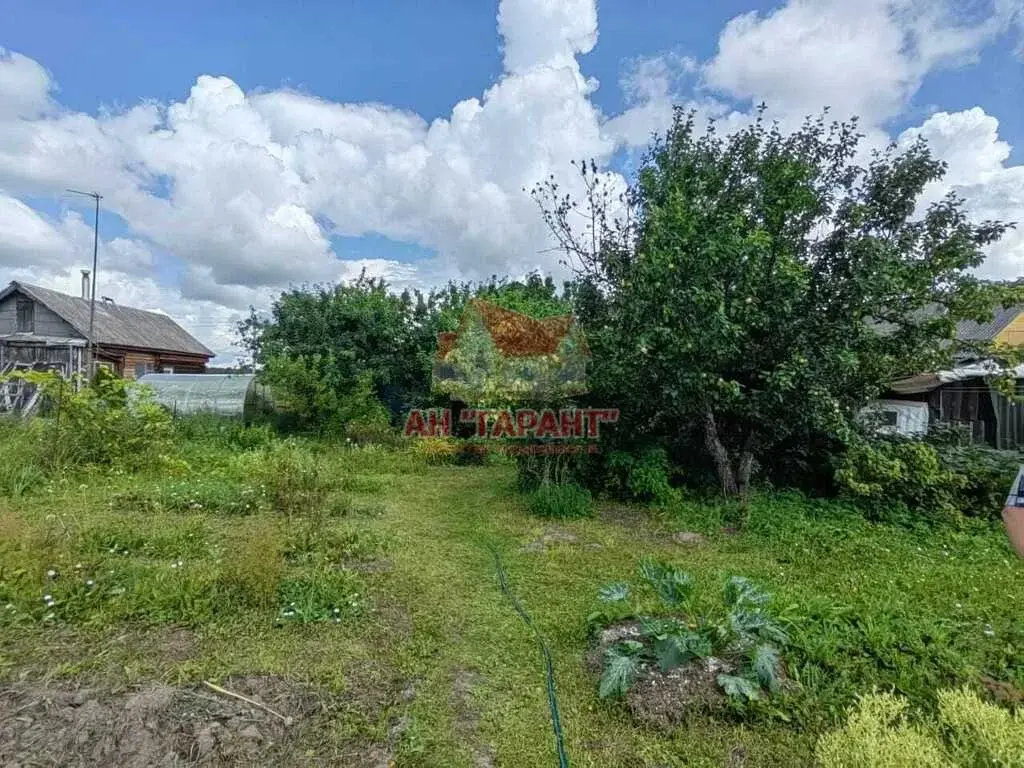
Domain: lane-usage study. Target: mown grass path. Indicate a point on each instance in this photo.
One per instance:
(464, 629)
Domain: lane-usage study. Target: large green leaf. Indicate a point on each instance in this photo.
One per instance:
(748, 626)
(676, 650)
(765, 663)
(742, 592)
(672, 585)
(738, 687)
(612, 593)
(621, 666)
(659, 628)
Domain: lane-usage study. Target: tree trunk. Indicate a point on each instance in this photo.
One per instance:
(719, 454)
(735, 478)
(746, 469)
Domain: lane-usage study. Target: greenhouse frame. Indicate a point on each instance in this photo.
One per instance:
(229, 394)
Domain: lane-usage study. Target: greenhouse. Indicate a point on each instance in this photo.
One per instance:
(224, 394)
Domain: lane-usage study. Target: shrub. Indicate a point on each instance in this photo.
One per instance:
(891, 478)
(475, 452)
(561, 501)
(436, 450)
(110, 422)
(968, 732)
(979, 733)
(887, 478)
(877, 735)
(744, 634)
(535, 470)
(642, 478)
(365, 418)
(987, 476)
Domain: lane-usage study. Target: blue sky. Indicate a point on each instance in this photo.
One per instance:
(245, 146)
(418, 56)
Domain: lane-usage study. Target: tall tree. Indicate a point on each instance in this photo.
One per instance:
(763, 286)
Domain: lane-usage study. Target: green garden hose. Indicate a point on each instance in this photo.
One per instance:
(556, 723)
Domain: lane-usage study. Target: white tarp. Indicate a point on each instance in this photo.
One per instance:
(926, 382)
(897, 417)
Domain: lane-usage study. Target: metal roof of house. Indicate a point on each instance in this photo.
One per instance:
(115, 325)
(968, 330)
(513, 333)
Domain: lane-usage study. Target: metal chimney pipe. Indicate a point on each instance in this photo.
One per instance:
(85, 283)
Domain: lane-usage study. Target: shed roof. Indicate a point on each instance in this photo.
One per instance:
(115, 325)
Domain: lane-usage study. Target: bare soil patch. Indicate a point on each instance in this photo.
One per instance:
(555, 537)
(466, 718)
(160, 725)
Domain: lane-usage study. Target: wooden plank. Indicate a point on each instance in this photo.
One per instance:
(971, 405)
(134, 360)
(956, 405)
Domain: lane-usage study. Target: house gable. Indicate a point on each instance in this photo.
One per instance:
(46, 322)
(1013, 332)
(501, 354)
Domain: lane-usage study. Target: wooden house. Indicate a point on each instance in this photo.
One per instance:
(45, 329)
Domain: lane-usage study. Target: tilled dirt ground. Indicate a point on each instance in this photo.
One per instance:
(160, 725)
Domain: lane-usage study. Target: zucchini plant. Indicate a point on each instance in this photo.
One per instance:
(743, 634)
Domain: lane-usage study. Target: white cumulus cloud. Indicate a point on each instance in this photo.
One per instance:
(969, 143)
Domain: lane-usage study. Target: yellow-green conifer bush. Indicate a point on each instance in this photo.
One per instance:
(880, 733)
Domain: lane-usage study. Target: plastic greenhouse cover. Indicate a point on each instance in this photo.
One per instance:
(194, 392)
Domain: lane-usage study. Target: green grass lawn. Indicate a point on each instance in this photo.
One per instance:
(397, 611)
